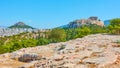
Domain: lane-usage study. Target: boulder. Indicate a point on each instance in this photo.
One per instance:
(29, 57)
(58, 57)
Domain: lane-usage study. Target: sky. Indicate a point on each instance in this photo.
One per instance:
(53, 13)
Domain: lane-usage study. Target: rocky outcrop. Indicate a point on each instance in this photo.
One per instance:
(81, 22)
(93, 51)
(29, 57)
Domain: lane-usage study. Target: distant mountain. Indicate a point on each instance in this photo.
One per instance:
(81, 22)
(64, 26)
(107, 22)
(20, 25)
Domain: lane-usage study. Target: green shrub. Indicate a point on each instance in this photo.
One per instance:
(118, 41)
(3, 49)
(62, 47)
(114, 26)
(81, 32)
(42, 41)
(57, 35)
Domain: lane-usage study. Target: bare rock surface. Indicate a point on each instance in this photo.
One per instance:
(93, 51)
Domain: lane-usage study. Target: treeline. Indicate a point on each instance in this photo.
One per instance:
(114, 26)
(23, 40)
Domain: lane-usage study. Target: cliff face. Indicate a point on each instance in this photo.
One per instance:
(90, 20)
(93, 51)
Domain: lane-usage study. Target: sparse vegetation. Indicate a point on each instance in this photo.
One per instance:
(62, 47)
(117, 41)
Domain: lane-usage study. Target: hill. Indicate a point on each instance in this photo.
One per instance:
(20, 25)
(93, 51)
(81, 22)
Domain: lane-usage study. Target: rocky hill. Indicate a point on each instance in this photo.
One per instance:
(21, 25)
(81, 22)
(93, 51)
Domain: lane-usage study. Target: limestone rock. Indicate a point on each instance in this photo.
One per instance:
(29, 57)
(92, 51)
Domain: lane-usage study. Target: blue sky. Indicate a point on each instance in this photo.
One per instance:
(53, 13)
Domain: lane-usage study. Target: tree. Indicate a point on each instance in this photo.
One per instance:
(97, 29)
(114, 26)
(17, 45)
(42, 41)
(3, 49)
(81, 32)
(29, 42)
(57, 35)
(70, 33)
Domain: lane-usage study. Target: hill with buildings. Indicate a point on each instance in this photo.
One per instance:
(81, 22)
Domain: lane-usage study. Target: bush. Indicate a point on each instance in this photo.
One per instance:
(97, 29)
(57, 35)
(62, 47)
(118, 41)
(3, 49)
(81, 32)
(42, 41)
(114, 26)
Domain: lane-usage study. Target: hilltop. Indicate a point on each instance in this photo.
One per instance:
(81, 22)
(93, 51)
(20, 25)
